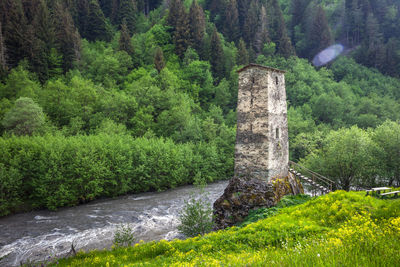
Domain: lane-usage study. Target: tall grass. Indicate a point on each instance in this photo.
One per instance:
(339, 229)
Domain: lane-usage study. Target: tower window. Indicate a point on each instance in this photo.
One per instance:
(276, 80)
(277, 132)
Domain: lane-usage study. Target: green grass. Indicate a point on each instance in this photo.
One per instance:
(262, 213)
(339, 229)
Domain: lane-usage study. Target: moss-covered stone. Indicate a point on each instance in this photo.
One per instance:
(243, 195)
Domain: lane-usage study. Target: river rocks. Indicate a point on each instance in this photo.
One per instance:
(244, 194)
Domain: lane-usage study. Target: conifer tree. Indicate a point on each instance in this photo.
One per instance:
(106, 6)
(97, 28)
(3, 61)
(127, 11)
(179, 21)
(159, 62)
(67, 36)
(42, 39)
(392, 62)
(261, 35)
(215, 7)
(196, 25)
(243, 7)
(251, 23)
(242, 55)
(182, 34)
(231, 27)
(320, 35)
(15, 31)
(279, 33)
(81, 18)
(297, 10)
(176, 8)
(125, 39)
(114, 10)
(217, 55)
(356, 14)
(373, 43)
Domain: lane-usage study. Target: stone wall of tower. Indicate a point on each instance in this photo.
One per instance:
(261, 149)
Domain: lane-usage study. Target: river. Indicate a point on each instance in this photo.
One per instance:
(37, 235)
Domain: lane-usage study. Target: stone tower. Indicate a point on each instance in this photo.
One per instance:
(262, 148)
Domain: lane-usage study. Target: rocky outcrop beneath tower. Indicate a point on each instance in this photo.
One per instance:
(245, 194)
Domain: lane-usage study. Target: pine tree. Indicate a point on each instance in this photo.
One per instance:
(320, 36)
(175, 9)
(125, 39)
(297, 10)
(114, 10)
(243, 7)
(67, 36)
(127, 11)
(356, 13)
(375, 52)
(42, 38)
(261, 36)
(251, 23)
(97, 28)
(159, 62)
(182, 34)
(217, 55)
(279, 33)
(242, 55)
(231, 27)
(392, 62)
(215, 7)
(55, 63)
(106, 6)
(3, 60)
(81, 19)
(196, 25)
(15, 31)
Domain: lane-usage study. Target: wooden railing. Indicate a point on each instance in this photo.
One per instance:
(316, 178)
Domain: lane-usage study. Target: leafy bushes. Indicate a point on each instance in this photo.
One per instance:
(359, 158)
(196, 217)
(338, 229)
(55, 171)
(123, 236)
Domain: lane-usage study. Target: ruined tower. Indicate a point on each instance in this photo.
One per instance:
(262, 148)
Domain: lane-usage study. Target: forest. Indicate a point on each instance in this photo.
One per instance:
(101, 98)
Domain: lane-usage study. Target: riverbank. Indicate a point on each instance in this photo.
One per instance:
(341, 228)
(36, 235)
(53, 171)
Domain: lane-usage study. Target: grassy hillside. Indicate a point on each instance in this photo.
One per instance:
(339, 229)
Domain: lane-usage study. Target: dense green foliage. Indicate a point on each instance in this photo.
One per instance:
(56, 171)
(340, 228)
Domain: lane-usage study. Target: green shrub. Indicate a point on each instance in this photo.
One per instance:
(123, 236)
(55, 171)
(195, 217)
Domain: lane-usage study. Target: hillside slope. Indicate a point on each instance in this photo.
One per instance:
(342, 228)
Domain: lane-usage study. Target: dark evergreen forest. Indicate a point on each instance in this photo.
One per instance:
(100, 98)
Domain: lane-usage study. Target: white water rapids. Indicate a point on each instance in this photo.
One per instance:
(38, 235)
